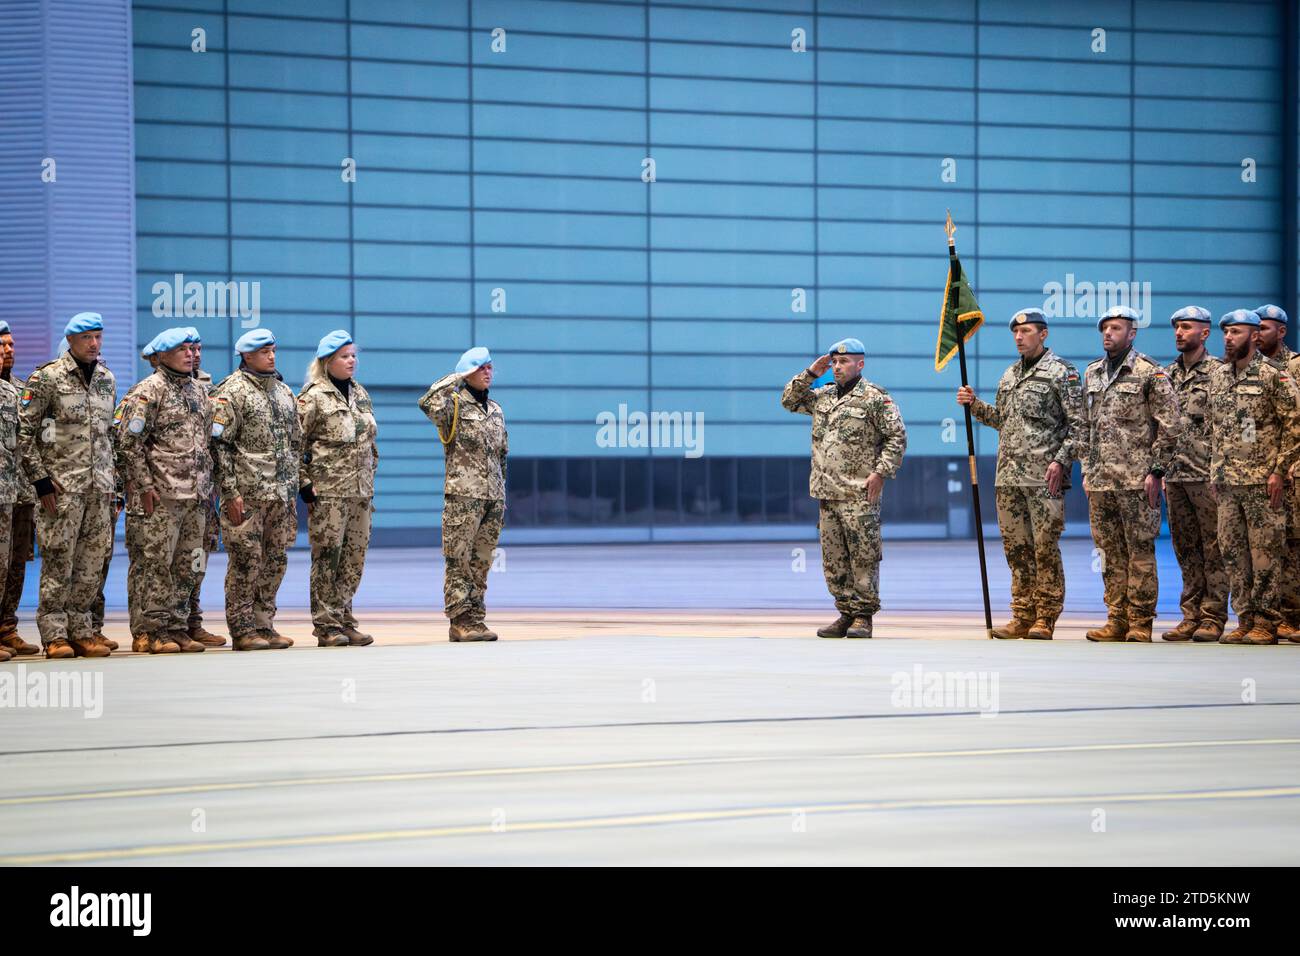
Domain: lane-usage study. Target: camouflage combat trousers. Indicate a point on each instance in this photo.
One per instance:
(134, 565)
(6, 545)
(470, 530)
(170, 554)
(1290, 597)
(1031, 522)
(851, 552)
(22, 550)
(97, 608)
(339, 530)
(1193, 525)
(258, 554)
(1124, 528)
(74, 542)
(211, 541)
(1252, 537)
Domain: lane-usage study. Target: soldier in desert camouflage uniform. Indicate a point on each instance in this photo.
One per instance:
(1254, 442)
(66, 415)
(256, 446)
(1289, 627)
(22, 534)
(339, 458)
(211, 522)
(1132, 414)
(1193, 512)
(1272, 346)
(472, 429)
(10, 475)
(858, 440)
(1039, 416)
(163, 437)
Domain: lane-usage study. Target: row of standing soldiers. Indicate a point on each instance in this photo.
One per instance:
(1219, 438)
(193, 463)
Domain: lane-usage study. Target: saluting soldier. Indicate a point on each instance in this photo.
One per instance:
(1193, 511)
(472, 429)
(22, 526)
(339, 459)
(1041, 427)
(256, 446)
(1254, 442)
(1132, 415)
(66, 414)
(163, 436)
(858, 441)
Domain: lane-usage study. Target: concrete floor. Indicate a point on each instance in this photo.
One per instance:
(688, 719)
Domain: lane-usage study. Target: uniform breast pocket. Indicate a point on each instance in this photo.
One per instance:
(1252, 401)
(853, 422)
(1196, 402)
(10, 427)
(340, 427)
(1127, 402)
(70, 404)
(1038, 401)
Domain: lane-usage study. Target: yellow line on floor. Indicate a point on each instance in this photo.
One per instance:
(627, 820)
(417, 775)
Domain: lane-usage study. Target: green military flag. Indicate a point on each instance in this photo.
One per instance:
(961, 314)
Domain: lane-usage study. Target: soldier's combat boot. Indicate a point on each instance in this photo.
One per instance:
(275, 640)
(1288, 632)
(332, 639)
(1014, 629)
(1208, 631)
(1183, 632)
(16, 645)
(186, 643)
(249, 642)
(837, 628)
(106, 641)
(464, 628)
(140, 643)
(478, 617)
(355, 638)
(1139, 632)
(861, 627)
(1042, 629)
(163, 644)
(59, 649)
(205, 637)
(1116, 629)
(1260, 635)
(88, 647)
(1238, 634)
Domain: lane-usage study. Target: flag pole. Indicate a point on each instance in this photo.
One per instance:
(953, 278)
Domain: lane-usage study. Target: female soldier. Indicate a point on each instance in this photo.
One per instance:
(472, 429)
(337, 478)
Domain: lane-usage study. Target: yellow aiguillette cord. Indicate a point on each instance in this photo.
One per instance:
(455, 415)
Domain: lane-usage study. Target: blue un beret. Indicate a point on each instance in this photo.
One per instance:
(1120, 312)
(1028, 316)
(168, 339)
(847, 347)
(1274, 312)
(84, 322)
(255, 339)
(476, 357)
(192, 335)
(333, 342)
(1239, 317)
(4, 327)
(1191, 313)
